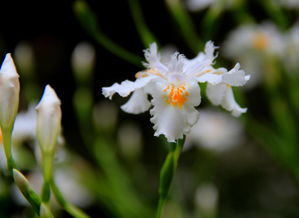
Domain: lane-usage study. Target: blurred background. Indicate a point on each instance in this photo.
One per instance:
(108, 162)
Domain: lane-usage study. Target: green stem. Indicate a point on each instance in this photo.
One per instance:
(185, 24)
(145, 34)
(70, 208)
(88, 20)
(167, 173)
(7, 149)
(47, 174)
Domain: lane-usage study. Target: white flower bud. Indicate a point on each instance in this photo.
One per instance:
(83, 60)
(48, 119)
(9, 92)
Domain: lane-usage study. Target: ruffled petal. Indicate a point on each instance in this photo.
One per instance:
(235, 77)
(230, 104)
(126, 87)
(173, 121)
(215, 93)
(138, 103)
(153, 59)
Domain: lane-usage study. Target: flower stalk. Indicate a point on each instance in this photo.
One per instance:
(7, 149)
(167, 173)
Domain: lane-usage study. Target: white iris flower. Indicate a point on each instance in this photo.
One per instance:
(175, 92)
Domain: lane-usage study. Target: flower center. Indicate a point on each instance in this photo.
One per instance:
(260, 41)
(176, 96)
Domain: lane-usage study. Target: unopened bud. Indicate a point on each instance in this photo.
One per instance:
(48, 119)
(9, 92)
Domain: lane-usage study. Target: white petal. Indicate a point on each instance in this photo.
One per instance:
(230, 104)
(126, 87)
(210, 78)
(153, 59)
(210, 50)
(172, 121)
(235, 77)
(216, 93)
(138, 103)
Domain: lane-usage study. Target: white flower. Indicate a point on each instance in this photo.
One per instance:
(174, 88)
(9, 92)
(251, 45)
(216, 130)
(48, 123)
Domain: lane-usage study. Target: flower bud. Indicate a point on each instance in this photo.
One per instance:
(24, 186)
(9, 93)
(83, 61)
(48, 120)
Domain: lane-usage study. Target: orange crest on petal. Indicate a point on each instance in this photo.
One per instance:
(176, 96)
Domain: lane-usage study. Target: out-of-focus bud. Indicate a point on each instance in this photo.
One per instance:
(105, 115)
(48, 124)
(26, 190)
(173, 210)
(45, 211)
(9, 93)
(206, 200)
(83, 61)
(130, 140)
(24, 58)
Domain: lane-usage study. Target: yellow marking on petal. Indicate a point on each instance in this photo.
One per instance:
(141, 74)
(176, 96)
(146, 73)
(204, 72)
(260, 41)
(1, 137)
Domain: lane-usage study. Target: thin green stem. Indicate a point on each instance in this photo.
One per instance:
(88, 20)
(145, 34)
(47, 174)
(167, 174)
(70, 208)
(7, 149)
(185, 24)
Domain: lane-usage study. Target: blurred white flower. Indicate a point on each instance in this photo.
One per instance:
(25, 125)
(291, 56)
(251, 44)
(215, 130)
(196, 5)
(174, 88)
(290, 4)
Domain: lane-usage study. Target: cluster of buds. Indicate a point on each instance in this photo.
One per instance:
(48, 128)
